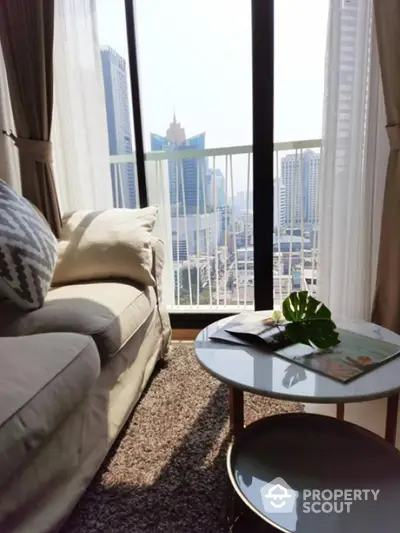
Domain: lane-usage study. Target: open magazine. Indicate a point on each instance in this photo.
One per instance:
(354, 356)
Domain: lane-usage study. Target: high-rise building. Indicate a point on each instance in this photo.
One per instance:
(187, 176)
(123, 175)
(279, 204)
(343, 108)
(215, 187)
(314, 163)
(224, 220)
(299, 177)
(243, 202)
(193, 236)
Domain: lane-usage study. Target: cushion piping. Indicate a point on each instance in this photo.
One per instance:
(131, 335)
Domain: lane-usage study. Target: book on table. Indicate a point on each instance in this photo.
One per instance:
(355, 355)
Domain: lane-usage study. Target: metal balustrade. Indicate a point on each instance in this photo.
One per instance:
(205, 220)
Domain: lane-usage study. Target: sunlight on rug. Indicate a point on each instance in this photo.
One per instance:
(166, 473)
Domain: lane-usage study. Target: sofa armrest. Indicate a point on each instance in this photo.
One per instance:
(157, 246)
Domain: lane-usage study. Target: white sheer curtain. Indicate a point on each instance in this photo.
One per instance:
(9, 162)
(355, 150)
(79, 135)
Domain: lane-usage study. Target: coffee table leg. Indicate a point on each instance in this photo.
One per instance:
(340, 411)
(391, 418)
(236, 417)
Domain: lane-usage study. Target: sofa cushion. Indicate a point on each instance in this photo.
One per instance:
(110, 312)
(28, 251)
(42, 379)
(107, 244)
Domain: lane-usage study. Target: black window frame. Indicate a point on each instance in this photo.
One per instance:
(262, 36)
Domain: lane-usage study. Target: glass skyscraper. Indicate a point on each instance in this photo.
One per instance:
(187, 176)
(123, 175)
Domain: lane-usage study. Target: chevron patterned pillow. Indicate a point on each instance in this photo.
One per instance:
(28, 251)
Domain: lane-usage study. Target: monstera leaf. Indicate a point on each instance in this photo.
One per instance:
(309, 321)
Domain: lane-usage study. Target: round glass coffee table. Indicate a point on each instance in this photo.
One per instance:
(247, 368)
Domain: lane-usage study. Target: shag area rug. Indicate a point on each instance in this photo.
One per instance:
(166, 473)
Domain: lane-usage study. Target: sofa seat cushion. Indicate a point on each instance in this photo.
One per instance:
(42, 379)
(109, 312)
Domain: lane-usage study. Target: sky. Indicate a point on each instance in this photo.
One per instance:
(195, 59)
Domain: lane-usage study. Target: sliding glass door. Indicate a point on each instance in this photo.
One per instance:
(200, 104)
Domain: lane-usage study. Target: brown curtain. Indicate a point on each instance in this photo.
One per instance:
(386, 310)
(26, 34)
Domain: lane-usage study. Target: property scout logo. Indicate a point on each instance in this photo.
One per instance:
(278, 497)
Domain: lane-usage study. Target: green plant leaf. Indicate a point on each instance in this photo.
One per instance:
(319, 333)
(287, 310)
(309, 321)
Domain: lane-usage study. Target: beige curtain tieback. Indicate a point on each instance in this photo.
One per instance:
(394, 137)
(40, 151)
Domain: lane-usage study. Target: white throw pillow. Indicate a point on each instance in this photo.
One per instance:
(28, 251)
(106, 244)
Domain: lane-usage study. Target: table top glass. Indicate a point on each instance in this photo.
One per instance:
(252, 369)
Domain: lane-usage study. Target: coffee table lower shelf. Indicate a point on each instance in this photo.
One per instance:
(304, 453)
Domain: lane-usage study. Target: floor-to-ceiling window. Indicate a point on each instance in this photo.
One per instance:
(238, 214)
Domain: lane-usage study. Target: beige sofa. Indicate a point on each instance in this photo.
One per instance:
(70, 374)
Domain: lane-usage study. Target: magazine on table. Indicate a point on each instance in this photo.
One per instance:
(354, 356)
(224, 335)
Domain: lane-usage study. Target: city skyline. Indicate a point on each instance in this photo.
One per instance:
(216, 97)
(210, 247)
(185, 101)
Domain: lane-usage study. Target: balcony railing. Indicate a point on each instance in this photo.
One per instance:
(206, 222)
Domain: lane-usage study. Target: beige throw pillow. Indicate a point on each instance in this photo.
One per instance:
(106, 244)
